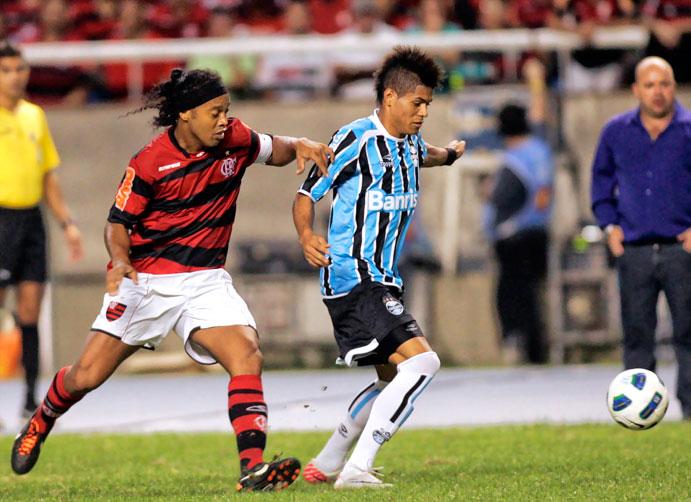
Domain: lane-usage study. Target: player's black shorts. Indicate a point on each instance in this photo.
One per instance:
(22, 246)
(370, 323)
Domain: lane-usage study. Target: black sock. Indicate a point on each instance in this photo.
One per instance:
(30, 360)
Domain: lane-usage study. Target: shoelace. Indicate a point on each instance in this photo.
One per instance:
(30, 439)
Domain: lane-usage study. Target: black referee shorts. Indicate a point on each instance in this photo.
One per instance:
(370, 323)
(22, 246)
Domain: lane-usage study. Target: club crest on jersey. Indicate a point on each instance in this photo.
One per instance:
(228, 167)
(115, 311)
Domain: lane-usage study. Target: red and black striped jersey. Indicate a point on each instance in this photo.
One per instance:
(180, 207)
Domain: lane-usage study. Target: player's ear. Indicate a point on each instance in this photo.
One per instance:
(389, 96)
(185, 116)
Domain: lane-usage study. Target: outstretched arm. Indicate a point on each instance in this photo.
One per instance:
(314, 246)
(287, 149)
(437, 156)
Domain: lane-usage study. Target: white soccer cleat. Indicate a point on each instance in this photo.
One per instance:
(314, 475)
(354, 477)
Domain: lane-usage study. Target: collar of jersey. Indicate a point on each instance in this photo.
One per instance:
(380, 127)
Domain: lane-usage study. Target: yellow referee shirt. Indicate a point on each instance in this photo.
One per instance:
(27, 153)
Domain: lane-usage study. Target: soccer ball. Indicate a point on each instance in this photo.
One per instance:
(637, 399)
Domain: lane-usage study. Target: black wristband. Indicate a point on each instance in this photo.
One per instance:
(451, 156)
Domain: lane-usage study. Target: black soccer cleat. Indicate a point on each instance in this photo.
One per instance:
(27, 447)
(271, 476)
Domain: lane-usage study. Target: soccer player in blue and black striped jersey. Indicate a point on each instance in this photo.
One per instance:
(375, 179)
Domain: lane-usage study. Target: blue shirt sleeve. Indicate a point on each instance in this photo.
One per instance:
(604, 183)
(346, 147)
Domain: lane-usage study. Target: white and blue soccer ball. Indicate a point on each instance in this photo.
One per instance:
(637, 399)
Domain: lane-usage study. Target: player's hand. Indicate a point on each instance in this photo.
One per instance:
(307, 150)
(615, 241)
(685, 239)
(315, 249)
(459, 146)
(74, 242)
(117, 273)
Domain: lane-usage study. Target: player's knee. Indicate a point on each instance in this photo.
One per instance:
(426, 363)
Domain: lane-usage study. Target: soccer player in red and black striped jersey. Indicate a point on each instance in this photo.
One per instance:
(167, 235)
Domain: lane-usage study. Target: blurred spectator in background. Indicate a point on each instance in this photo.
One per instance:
(56, 84)
(483, 67)
(237, 72)
(669, 22)
(132, 25)
(590, 69)
(294, 76)
(528, 13)
(431, 17)
(28, 159)
(261, 16)
(179, 18)
(517, 220)
(330, 16)
(353, 70)
(97, 19)
(640, 197)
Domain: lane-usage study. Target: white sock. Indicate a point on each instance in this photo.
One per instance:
(332, 457)
(393, 406)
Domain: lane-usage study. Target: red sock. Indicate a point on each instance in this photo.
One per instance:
(56, 402)
(247, 412)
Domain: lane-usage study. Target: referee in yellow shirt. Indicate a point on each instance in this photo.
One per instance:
(28, 159)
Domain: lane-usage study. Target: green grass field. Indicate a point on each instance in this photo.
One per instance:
(585, 462)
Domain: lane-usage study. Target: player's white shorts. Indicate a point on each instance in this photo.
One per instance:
(143, 314)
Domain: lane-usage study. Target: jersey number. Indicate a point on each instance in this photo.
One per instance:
(125, 189)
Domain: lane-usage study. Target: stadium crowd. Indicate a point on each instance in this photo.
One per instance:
(304, 77)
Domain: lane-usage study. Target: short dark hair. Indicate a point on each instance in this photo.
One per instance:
(512, 120)
(404, 69)
(7, 50)
(169, 97)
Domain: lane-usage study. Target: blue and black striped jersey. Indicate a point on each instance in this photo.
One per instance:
(375, 182)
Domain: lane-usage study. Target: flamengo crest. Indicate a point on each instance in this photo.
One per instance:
(228, 167)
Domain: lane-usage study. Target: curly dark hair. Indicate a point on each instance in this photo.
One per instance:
(169, 97)
(404, 69)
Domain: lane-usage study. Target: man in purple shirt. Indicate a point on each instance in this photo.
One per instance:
(641, 196)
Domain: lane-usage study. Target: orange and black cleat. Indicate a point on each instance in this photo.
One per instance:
(27, 447)
(271, 476)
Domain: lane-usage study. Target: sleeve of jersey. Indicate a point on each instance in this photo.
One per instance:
(422, 149)
(345, 145)
(241, 138)
(132, 197)
(51, 159)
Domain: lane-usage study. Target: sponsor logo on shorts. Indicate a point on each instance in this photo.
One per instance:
(115, 311)
(381, 436)
(343, 430)
(412, 327)
(394, 306)
(228, 167)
